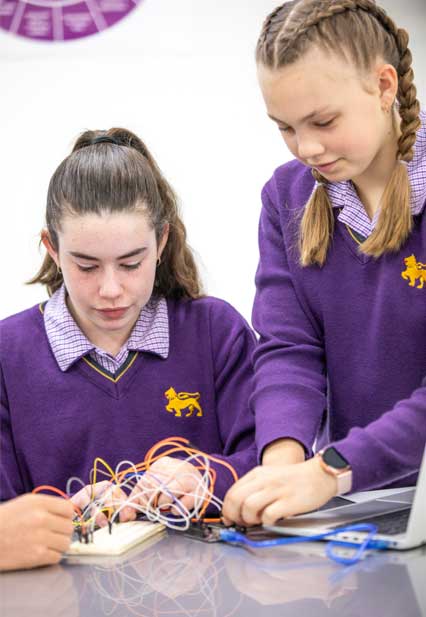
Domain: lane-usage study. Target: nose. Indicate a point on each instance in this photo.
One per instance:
(309, 147)
(109, 285)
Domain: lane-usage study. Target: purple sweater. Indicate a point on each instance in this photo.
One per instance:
(342, 349)
(54, 423)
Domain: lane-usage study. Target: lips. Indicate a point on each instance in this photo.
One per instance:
(113, 313)
(326, 166)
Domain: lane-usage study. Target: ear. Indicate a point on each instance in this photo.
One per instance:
(163, 239)
(47, 243)
(388, 85)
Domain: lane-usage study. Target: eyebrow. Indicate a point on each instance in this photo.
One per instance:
(308, 117)
(91, 258)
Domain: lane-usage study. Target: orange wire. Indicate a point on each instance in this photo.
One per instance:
(176, 444)
(53, 489)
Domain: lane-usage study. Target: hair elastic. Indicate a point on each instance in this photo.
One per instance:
(105, 139)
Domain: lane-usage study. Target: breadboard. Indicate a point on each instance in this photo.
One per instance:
(124, 536)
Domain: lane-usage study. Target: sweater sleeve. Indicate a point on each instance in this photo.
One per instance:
(289, 396)
(11, 483)
(232, 349)
(390, 448)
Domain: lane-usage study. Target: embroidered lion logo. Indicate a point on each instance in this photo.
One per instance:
(414, 271)
(183, 400)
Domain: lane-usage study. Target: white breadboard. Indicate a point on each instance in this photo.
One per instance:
(124, 536)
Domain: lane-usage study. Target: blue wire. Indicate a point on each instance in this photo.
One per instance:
(234, 537)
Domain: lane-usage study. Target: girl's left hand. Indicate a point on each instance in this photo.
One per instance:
(270, 492)
(178, 477)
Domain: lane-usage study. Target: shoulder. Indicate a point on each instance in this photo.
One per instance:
(21, 328)
(219, 315)
(21, 320)
(290, 186)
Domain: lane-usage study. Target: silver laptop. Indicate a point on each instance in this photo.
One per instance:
(399, 514)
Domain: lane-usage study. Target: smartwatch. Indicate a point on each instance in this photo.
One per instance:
(336, 465)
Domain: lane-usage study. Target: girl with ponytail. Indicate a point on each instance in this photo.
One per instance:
(341, 284)
(127, 351)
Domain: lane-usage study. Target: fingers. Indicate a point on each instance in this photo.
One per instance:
(57, 542)
(236, 497)
(268, 493)
(101, 520)
(59, 524)
(276, 510)
(90, 492)
(248, 499)
(168, 482)
(49, 503)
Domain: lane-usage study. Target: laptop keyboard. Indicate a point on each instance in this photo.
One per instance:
(391, 524)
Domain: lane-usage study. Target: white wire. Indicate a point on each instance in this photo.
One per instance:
(180, 517)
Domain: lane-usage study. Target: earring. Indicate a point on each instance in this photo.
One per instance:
(158, 262)
(387, 108)
(58, 271)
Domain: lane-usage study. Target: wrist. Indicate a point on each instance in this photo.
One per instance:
(335, 465)
(326, 483)
(284, 451)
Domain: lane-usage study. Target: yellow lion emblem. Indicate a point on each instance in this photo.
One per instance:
(414, 271)
(183, 400)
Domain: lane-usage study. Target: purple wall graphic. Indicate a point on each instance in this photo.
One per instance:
(61, 20)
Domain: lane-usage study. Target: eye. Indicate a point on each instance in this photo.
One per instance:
(86, 268)
(323, 124)
(134, 266)
(285, 129)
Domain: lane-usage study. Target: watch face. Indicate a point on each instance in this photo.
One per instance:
(331, 457)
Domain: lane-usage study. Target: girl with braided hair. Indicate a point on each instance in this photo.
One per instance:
(127, 351)
(340, 305)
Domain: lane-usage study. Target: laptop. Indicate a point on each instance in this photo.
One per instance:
(399, 514)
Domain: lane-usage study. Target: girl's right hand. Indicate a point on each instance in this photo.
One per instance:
(114, 499)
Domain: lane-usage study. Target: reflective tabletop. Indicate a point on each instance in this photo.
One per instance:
(177, 575)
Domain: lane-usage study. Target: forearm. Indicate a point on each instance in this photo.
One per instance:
(283, 452)
(389, 449)
(289, 396)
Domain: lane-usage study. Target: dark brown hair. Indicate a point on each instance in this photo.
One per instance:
(120, 175)
(361, 31)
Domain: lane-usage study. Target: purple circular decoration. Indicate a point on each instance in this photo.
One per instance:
(61, 20)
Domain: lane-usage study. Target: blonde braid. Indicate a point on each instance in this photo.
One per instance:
(270, 28)
(395, 221)
(409, 108)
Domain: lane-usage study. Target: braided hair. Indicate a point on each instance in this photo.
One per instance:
(361, 31)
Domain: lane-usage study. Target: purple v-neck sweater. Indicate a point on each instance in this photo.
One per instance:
(54, 423)
(342, 350)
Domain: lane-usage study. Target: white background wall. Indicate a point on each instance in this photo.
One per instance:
(180, 74)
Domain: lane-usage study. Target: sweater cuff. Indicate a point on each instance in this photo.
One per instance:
(371, 468)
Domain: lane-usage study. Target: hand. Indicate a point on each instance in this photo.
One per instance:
(180, 478)
(283, 452)
(35, 531)
(112, 497)
(269, 493)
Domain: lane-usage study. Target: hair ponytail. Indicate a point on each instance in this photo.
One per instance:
(49, 275)
(316, 226)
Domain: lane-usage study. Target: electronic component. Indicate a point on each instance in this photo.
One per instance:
(123, 536)
(208, 532)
